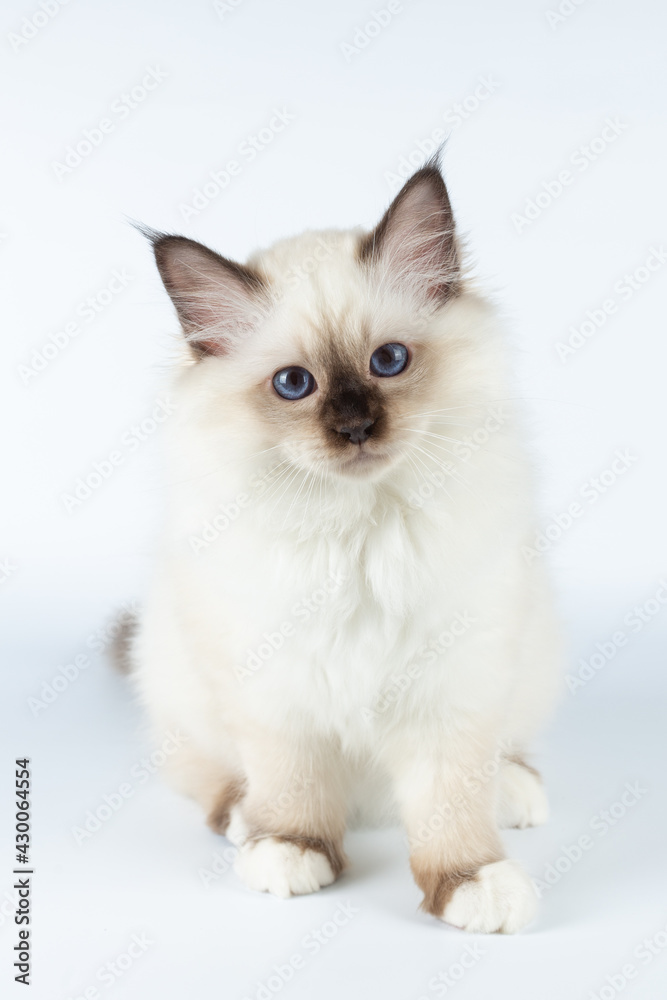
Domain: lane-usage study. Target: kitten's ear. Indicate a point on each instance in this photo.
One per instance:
(415, 242)
(218, 301)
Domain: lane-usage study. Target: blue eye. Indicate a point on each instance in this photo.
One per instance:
(294, 383)
(390, 359)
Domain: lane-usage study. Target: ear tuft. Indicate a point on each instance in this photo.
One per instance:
(414, 244)
(218, 301)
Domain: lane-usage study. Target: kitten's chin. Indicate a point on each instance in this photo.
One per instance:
(360, 464)
(363, 465)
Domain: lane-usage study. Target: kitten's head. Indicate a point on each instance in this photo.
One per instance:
(330, 347)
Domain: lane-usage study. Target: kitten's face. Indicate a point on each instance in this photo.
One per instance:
(337, 364)
(348, 391)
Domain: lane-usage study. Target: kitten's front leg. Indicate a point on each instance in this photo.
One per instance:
(294, 811)
(449, 805)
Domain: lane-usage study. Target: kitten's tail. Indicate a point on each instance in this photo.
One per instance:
(120, 650)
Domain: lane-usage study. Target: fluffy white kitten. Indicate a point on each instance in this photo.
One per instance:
(342, 621)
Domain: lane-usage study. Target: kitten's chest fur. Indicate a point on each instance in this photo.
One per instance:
(353, 597)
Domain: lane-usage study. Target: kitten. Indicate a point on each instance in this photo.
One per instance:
(342, 621)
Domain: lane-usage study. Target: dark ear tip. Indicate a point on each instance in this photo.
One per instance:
(157, 239)
(434, 163)
(152, 235)
(431, 171)
(161, 243)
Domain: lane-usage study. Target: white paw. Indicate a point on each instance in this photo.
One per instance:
(237, 830)
(282, 868)
(500, 898)
(522, 800)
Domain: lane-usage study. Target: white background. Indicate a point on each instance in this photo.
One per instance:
(554, 87)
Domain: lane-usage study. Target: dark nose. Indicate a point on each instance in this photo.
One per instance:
(359, 433)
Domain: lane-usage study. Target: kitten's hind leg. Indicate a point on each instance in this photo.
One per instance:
(217, 788)
(226, 816)
(522, 800)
